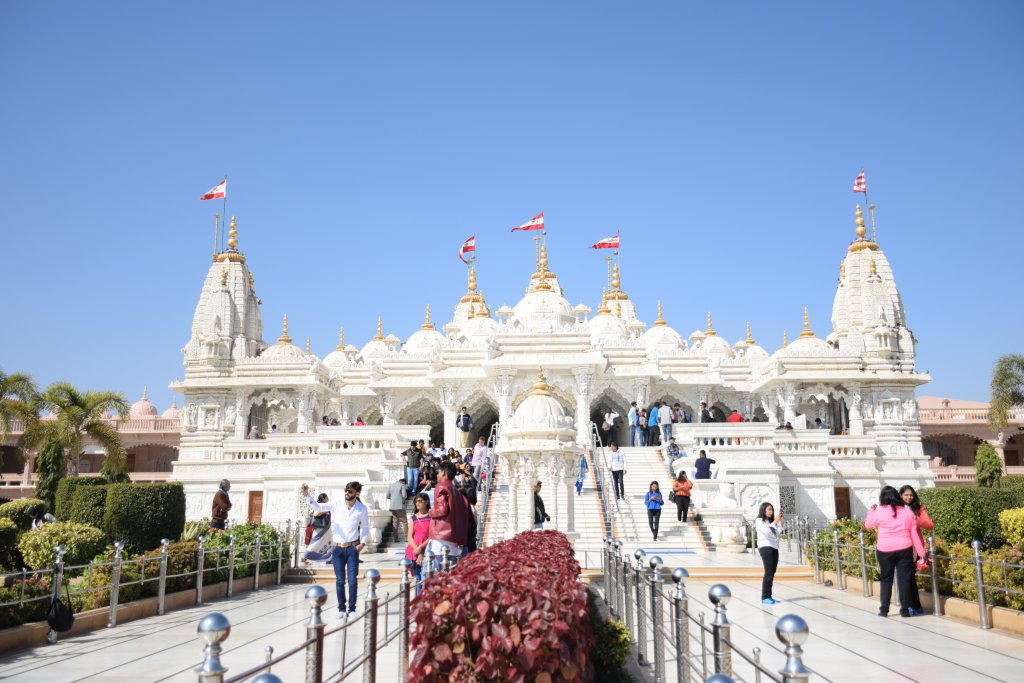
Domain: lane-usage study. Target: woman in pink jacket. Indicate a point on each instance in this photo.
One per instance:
(899, 544)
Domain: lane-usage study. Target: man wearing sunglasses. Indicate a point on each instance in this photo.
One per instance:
(350, 528)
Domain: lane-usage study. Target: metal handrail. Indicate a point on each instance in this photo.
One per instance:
(490, 463)
(599, 464)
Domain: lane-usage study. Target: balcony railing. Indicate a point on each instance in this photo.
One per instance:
(966, 414)
(145, 424)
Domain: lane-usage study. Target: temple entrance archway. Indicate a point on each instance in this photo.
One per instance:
(421, 410)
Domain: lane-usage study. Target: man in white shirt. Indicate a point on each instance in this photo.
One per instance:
(665, 422)
(617, 465)
(350, 529)
(479, 454)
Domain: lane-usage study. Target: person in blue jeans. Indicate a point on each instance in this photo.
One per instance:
(350, 529)
(653, 502)
(633, 416)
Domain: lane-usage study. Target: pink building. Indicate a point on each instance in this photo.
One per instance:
(952, 430)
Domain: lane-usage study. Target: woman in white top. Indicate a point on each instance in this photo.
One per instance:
(768, 528)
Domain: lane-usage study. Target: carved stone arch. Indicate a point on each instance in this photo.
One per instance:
(429, 395)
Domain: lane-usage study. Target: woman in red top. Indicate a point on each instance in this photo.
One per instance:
(419, 528)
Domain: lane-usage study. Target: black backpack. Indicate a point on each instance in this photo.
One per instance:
(59, 616)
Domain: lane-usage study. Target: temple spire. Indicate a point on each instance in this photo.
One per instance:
(603, 308)
(749, 340)
(541, 387)
(284, 338)
(660, 322)
(380, 330)
(427, 325)
(711, 330)
(341, 341)
(807, 327)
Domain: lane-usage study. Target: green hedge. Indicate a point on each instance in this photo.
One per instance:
(139, 515)
(65, 492)
(18, 511)
(81, 544)
(88, 504)
(964, 514)
(10, 558)
(1015, 483)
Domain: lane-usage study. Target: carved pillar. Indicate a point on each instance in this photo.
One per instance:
(511, 468)
(556, 474)
(640, 389)
(387, 406)
(447, 392)
(303, 413)
(856, 418)
(503, 392)
(240, 415)
(346, 411)
(584, 384)
(569, 467)
(703, 396)
(788, 400)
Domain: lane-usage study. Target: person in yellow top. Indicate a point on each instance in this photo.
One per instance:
(681, 495)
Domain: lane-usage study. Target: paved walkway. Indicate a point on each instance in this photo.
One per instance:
(847, 642)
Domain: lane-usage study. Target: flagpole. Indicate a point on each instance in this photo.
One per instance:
(871, 209)
(225, 215)
(216, 232)
(608, 259)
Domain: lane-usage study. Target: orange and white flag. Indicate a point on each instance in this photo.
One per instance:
(219, 191)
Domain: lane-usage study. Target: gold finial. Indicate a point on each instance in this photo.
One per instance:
(874, 270)
(750, 340)
(309, 348)
(483, 312)
(341, 341)
(233, 235)
(541, 387)
(380, 330)
(861, 243)
(785, 339)
(543, 285)
(542, 265)
(471, 293)
(427, 325)
(807, 326)
(472, 279)
(861, 230)
(543, 258)
(603, 308)
(711, 331)
(223, 277)
(842, 270)
(615, 276)
(660, 321)
(284, 338)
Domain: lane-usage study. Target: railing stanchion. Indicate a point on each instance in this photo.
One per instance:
(316, 596)
(115, 584)
(979, 579)
(280, 550)
(817, 560)
(682, 608)
(256, 564)
(428, 565)
(617, 569)
(231, 565)
(606, 561)
(839, 561)
(446, 559)
(937, 607)
(200, 561)
(792, 632)
(719, 595)
(372, 577)
(627, 592)
(213, 630)
(799, 542)
(641, 636)
(657, 619)
(863, 564)
(58, 579)
(403, 620)
(161, 586)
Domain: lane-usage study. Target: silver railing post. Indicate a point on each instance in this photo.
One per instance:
(617, 569)
(719, 595)
(719, 678)
(863, 564)
(161, 586)
(115, 584)
(446, 559)
(213, 630)
(627, 594)
(372, 577)
(682, 607)
(403, 616)
(200, 561)
(316, 596)
(979, 579)
(256, 565)
(428, 565)
(267, 677)
(621, 582)
(641, 636)
(657, 619)
(937, 608)
(297, 537)
(817, 561)
(792, 632)
(280, 549)
(268, 656)
(799, 542)
(58, 579)
(839, 562)
(231, 565)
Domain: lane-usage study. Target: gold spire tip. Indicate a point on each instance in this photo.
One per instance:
(380, 330)
(427, 325)
(341, 341)
(541, 387)
(616, 281)
(309, 348)
(807, 326)
(749, 340)
(785, 339)
(711, 330)
(603, 308)
(660, 321)
(284, 338)
(861, 230)
(233, 235)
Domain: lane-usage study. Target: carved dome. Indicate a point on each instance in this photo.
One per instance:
(661, 338)
(284, 352)
(807, 346)
(172, 413)
(143, 408)
(424, 342)
(607, 330)
(540, 407)
(543, 310)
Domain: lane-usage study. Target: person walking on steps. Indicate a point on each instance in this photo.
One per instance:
(681, 487)
(350, 529)
(653, 502)
(617, 466)
(539, 514)
(768, 528)
(899, 541)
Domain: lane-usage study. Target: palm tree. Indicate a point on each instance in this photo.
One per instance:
(18, 394)
(1007, 388)
(76, 415)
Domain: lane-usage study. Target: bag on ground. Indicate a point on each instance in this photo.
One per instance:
(59, 616)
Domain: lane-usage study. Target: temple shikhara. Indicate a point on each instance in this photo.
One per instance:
(536, 378)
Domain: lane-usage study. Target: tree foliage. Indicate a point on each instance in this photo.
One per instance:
(1007, 389)
(50, 469)
(18, 398)
(988, 468)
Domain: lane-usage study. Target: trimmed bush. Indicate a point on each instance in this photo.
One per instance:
(612, 644)
(1012, 523)
(66, 491)
(19, 511)
(1015, 483)
(964, 514)
(988, 468)
(88, 504)
(10, 558)
(245, 550)
(81, 543)
(849, 547)
(963, 571)
(139, 515)
(514, 611)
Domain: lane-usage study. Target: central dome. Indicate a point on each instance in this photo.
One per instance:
(544, 310)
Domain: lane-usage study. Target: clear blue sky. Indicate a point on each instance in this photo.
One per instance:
(365, 141)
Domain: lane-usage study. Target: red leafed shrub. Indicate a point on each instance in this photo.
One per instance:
(512, 612)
